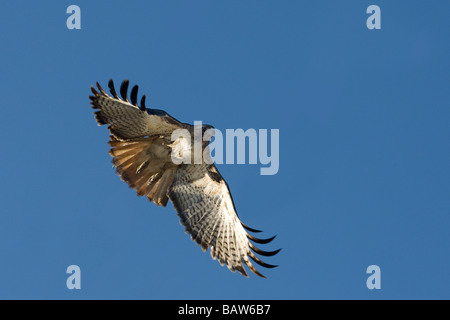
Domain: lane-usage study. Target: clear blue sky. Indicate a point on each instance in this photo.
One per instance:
(364, 120)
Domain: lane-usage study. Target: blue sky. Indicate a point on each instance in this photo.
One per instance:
(364, 146)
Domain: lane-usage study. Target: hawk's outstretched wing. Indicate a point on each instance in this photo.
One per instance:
(206, 210)
(139, 137)
(125, 118)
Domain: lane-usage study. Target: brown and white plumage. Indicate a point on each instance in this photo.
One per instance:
(141, 150)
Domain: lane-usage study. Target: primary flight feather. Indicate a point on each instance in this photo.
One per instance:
(142, 152)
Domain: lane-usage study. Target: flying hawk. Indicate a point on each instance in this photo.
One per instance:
(142, 152)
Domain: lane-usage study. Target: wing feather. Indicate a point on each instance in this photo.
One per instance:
(128, 120)
(204, 204)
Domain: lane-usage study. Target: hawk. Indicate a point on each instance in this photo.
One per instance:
(143, 150)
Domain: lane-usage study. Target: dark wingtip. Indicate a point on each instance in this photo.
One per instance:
(101, 89)
(264, 253)
(112, 89)
(261, 263)
(124, 89)
(262, 241)
(94, 91)
(250, 229)
(133, 95)
(142, 106)
(253, 269)
(241, 270)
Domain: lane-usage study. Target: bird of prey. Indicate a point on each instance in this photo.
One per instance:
(142, 151)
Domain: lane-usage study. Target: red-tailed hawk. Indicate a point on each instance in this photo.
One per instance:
(142, 147)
